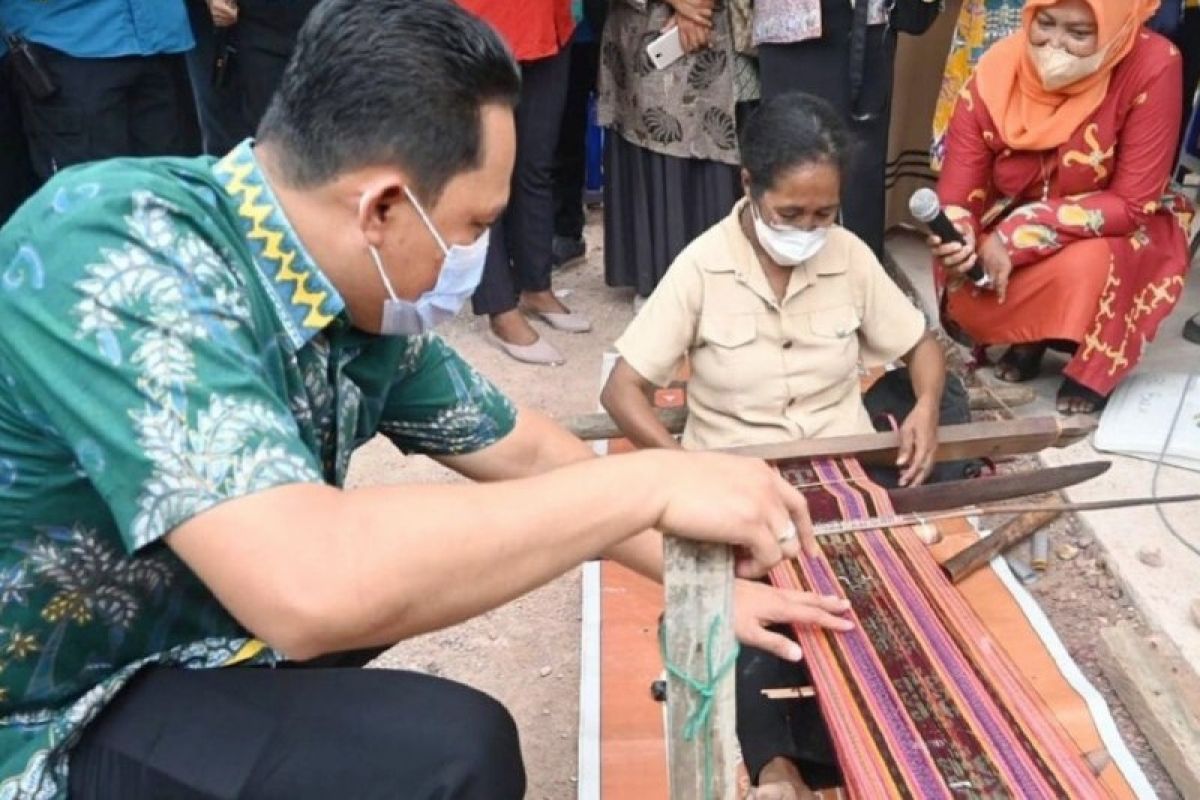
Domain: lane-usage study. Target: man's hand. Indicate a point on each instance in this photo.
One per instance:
(224, 12)
(918, 443)
(758, 605)
(698, 12)
(997, 264)
(725, 499)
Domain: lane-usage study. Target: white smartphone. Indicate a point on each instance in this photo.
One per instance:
(666, 49)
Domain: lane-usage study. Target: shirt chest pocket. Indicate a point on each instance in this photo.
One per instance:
(728, 351)
(832, 335)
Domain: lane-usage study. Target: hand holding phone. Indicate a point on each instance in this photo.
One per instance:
(666, 49)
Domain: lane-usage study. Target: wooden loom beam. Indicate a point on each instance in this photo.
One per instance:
(591, 427)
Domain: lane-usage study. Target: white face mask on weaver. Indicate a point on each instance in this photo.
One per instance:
(1058, 68)
(461, 272)
(791, 246)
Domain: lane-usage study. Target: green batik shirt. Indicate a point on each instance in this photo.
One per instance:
(167, 344)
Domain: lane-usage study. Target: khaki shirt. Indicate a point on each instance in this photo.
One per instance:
(764, 371)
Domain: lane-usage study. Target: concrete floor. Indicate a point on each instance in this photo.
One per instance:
(1163, 594)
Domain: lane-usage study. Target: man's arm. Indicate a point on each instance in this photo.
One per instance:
(312, 569)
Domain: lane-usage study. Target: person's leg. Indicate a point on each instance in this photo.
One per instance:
(259, 733)
(218, 108)
(161, 116)
(530, 215)
(86, 119)
(17, 180)
(570, 157)
(266, 35)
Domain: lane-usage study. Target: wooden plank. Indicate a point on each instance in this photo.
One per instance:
(699, 591)
(1160, 691)
(998, 541)
(970, 440)
(592, 427)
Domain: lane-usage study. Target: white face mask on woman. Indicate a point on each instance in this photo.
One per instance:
(1058, 68)
(788, 247)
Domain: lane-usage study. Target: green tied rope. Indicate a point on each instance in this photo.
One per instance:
(698, 722)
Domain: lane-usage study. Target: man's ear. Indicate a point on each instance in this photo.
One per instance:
(745, 182)
(379, 200)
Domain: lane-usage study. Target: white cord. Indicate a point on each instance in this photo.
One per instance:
(1162, 455)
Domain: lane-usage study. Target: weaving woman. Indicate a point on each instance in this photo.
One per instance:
(1057, 160)
(774, 309)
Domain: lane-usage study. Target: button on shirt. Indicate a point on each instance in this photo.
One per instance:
(101, 28)
(169, 345)
(765, 371)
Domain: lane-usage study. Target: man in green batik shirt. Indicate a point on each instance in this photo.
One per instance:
(190, 352)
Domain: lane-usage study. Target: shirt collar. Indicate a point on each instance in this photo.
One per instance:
(304, 299)
(742, 261)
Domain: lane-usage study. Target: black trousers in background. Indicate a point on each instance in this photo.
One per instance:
(308, 733)
(109, 107)
(263, 39)
(17, 180)
(821, 67)
(519, 256)
(570, 165)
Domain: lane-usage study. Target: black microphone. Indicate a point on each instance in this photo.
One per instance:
(925, 207)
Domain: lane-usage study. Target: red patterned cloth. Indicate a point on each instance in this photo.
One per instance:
(1099, 249)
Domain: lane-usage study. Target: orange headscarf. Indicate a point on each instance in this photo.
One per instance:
(1027, 116)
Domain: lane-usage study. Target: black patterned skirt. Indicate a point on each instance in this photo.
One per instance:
(654, 206)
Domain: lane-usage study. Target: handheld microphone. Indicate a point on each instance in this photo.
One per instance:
(925, 207)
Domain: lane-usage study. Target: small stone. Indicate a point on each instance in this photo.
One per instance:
(1196, 611)
(1066, 552)
(545, 711)
(1150, 556)
(1116, 593)
(544, 671)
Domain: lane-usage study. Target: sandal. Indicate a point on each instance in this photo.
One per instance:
(1075, 398)
(1021, 362)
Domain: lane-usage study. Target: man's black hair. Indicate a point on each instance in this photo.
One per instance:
(791, 130)
(396, 82)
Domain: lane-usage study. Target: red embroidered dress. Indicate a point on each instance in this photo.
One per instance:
(1098, 246)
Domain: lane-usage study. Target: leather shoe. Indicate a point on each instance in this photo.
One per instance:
(540, 352)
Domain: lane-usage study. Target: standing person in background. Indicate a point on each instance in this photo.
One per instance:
(119, 76)
(570, 163)
(516, 279)
(671, 159)
(17, 181)
(842, 52)
(241, 50)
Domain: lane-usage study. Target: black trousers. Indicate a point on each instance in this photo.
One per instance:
(519, 256)
(17, 180)
(297, 733)
(263, 40)
(570, 165)
(109, 107)
(821, 67)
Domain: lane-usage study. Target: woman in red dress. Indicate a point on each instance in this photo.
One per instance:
(1058, 158)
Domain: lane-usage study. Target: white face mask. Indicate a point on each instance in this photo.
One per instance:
(461, 272)
(1059, 69)
(788, 247)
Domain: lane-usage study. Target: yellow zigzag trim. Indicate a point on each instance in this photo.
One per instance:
(257, 213)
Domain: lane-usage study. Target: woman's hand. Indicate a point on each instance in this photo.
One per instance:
(696, 11)
(956, 257)
(758, 605)
(918, 442)
(224, 12)
(997, 264)
(692, 36)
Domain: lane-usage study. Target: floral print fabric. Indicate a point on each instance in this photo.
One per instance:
(169, 345)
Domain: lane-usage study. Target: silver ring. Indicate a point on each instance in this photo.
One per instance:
(788, 534)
